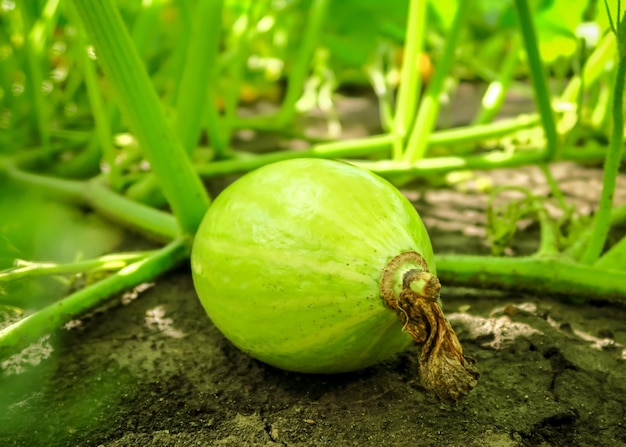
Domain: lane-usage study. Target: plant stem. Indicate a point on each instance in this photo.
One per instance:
(52, 317)
(496, 91)
(542, 94)
(218, 133)
(157, 224)
(430, 104)
(548, 242)
(442, 165)
(481, 132)
(144, 27)
(377, 77)
(491, 160)
(375, 144)
(114, 261)
(536, 275)
(184, 21)
(595, 65)
(602, 220)
(142, 109)
(555, 191)
(133, 215)
(410, 77)
(94, 94)
(339, 149)
(61, 189)
(601, 110)
(36, 31)
(200, 72)
(240, 37)
(302, 64)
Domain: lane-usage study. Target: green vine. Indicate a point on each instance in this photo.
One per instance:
(614, 154)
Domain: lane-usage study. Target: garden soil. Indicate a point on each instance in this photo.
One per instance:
(152, 370)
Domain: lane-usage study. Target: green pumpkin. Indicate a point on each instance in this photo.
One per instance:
(288, 262)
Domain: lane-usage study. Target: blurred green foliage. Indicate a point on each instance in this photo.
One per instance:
(35, 228)
(352, 37)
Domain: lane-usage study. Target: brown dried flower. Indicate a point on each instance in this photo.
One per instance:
(444, 369)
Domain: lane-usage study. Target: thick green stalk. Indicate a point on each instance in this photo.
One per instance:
(548, 241)
(492, 160)
(154, 223)
(442, 165)
(36, 33)
(542, 93)
(449, 137)
(27, 269)
(185, 10)
(133, 215)
(218, 132)
(378, 79)
(141, 107)
(481, 132)
(532, 274)
(380, 143)
(339, 149)
(200, 72)
(60, 189)
(302, 64)
(238, 45)
(219, 135)
(98, 110)
(464, 134)
(602, 220)
(410, 77)
(143, 30)
(429, 106)
(54, 316)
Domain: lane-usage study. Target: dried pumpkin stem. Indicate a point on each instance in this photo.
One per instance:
(444, 369)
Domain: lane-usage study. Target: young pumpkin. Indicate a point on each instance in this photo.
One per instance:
(318, 266)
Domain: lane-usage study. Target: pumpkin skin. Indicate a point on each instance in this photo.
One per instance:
(287, 263)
